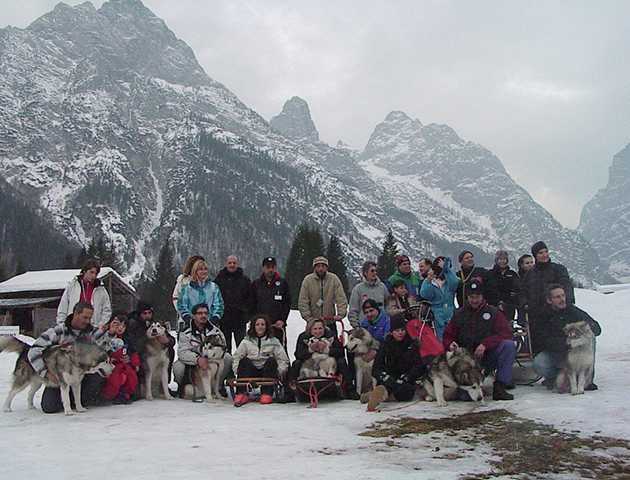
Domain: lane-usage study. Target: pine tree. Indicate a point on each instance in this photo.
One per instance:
(105, 254)
(337, 262)
(20, 268)
(386, 263)
(159, 287)
(68, 261)
(307, 244)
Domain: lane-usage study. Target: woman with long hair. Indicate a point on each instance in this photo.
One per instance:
(439, 289)
(260, 355)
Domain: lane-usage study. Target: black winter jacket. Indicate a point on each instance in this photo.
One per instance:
(547, 330)
(536, 281)
(236, 290)
(397, 359)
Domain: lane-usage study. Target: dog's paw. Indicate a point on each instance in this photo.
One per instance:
(70, 413)
(81, 409)
(30, 407)
(429, 398)
(8, 409)
(169, 397)
(149, 398)
(579, 392)
(210, 400)
(442, 403)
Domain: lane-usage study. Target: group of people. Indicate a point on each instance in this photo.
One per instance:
(472, 308)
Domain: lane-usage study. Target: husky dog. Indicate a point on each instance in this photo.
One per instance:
(580, 359)
(205, 383)
(156, 359)
(359, 342)
(69, 363)
(450, 371)
(320, 364)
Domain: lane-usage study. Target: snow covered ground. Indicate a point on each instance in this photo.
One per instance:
(181, 439)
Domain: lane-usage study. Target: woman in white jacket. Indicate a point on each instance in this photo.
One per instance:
(260, 355)
(86, 288)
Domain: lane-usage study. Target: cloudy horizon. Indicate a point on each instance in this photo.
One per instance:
(543, 85)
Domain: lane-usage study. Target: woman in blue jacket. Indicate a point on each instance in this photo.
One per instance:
(439, 289)
(200, 290)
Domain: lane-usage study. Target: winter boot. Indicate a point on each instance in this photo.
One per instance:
(500, 393)
(376, 398)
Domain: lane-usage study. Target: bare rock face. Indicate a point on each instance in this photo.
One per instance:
(605, 220)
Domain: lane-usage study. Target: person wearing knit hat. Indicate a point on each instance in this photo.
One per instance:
(403, 272)
(322, 295)
(467, 272)
(439, 289)
(503, 285)
(484, 331)
(396, 368)
(545, 272)
(376, 320)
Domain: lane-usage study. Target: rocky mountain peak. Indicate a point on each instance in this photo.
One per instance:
(295, 121)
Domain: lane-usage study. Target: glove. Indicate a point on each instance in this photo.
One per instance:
(446, 267)
(187, 318)
(386, 378)
(215, 320)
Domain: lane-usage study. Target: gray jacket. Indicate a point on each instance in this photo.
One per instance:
(360, 293)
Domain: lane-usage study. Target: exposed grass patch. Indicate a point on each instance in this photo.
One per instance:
(527, 449)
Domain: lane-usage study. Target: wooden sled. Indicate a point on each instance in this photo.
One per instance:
(252, 385)
(310, 389)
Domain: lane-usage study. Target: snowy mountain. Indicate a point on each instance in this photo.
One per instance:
(110, 125)
(605, 220)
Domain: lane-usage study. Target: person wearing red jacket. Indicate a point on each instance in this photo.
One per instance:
(124, 379)
(483, 331)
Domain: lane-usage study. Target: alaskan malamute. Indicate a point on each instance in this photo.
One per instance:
(155, 356)
(359, 342)
(580, 359)
(450, 371)
(205, 383)
(69, 363)
(320, 363)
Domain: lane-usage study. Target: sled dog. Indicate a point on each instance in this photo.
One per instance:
(320, 364)
(580, 359)
(450, 371)
(205, 383)
(69, 363)
(359, 342)
(156, 361)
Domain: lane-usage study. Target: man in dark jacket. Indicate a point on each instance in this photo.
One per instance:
(503, 286)
(549, 338)
(483, 330)
(236, 290)
(271, 295)
(534, 286)
(467, 273)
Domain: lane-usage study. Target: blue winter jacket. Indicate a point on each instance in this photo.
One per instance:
(442, 299)
(379, 329)
(194, 293)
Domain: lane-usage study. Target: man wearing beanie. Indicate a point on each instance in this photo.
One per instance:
(533, 292)
(376, 320)
(502, 288)
(322, 295)
(397, 366)
(466, 274)
(403, 272)
(483, 331)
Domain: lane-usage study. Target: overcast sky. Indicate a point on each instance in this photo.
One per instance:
(544, 85)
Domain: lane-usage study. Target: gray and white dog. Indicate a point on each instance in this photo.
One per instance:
(69, 363)
(360, 341)
(580, 359)
(206, 383)
(450, 371)
(155, 359)
(320, 363)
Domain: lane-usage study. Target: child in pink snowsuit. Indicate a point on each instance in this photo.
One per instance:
(124, 379)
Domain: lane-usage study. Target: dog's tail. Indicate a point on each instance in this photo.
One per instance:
(12, 344)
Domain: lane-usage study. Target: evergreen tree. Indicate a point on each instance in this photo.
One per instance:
(386, 263)
(68, 261)
(159, 287)
(20, 268)
(337, 262)
(81, 258)
(105, 254)
(307, 244)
